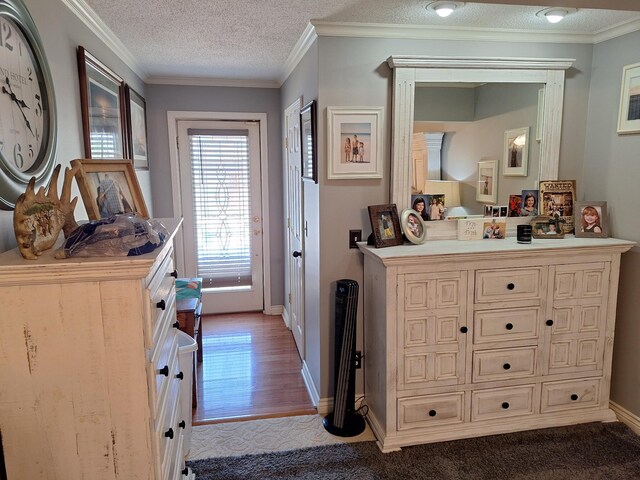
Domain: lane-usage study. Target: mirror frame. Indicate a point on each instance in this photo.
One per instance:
(409, 70)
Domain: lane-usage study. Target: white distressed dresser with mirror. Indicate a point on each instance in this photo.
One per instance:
(471, 338)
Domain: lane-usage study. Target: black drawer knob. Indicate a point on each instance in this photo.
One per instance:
(164, 371)
(180, 376)
(574, 397)
(464, 329)
(505, 405)
(506, 366)
(432, 413)
(511, 286)
(182, 424)
(161, 305)
(549, 322)
(174, 274)
(169, 434)
(176, 324)
(509, 326)
(185, 472)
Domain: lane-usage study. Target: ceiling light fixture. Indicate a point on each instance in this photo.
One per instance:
(555, 14)
(444, 8)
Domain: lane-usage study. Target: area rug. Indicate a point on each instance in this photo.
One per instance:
(594, 451)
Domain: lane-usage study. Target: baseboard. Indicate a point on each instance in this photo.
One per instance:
(311, 388)
(285, 318)
(626, 417)
(273, 310)
(325, 405)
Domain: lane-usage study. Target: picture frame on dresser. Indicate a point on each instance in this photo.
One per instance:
(109, 187)
(385, 225)
(413, 227)
(591, 219)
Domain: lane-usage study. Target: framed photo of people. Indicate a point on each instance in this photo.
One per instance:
(516, 152)
(109, 187)
(413, 226)
(354, 142)
(385, 225)
(487, 188)
(590, 219)
(102, 103)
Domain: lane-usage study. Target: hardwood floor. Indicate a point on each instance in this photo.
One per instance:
(250, 369)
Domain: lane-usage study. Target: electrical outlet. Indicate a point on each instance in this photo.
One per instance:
(354, 236)
(358, 359)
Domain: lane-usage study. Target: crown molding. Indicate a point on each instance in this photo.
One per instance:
(618, 30)
(90, 18)
(299, 49)
(429, 32)
(211, 82)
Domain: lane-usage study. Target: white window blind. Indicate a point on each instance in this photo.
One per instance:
(222, 210)
(104, 145)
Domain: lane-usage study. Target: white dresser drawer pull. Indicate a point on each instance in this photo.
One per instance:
(432, 413)
(505, 405)
(509, 326)
(161, 305)
(506, 366)
(169, 434)
(511, 286)
(174, 274)
(574, 397)
(180, 376)
(164, 371)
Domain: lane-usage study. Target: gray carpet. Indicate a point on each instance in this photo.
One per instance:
(582, 452)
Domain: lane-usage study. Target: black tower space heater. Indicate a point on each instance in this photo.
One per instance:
(344, 421)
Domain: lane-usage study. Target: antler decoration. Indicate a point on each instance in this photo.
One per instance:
(39, 217)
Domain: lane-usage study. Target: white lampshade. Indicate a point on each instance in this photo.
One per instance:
(450, 189)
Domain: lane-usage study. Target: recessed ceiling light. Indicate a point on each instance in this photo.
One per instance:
(555, 14)
(444, 8)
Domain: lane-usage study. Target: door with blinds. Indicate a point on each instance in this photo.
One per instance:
(221, 204)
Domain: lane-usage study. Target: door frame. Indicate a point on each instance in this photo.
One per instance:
(173, 117)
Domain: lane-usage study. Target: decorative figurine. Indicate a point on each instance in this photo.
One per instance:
(39, 217)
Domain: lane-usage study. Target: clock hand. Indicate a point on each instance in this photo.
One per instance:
(13, 97)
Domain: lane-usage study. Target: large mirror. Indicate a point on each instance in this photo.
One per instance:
(449, 114)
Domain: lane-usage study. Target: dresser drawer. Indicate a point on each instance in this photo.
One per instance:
(503, 402)
(504, 364)
(506, 324)
(508, 284)
(167, 431)
(570, 394)
(163, 370)
(430, 410)
(161, 301)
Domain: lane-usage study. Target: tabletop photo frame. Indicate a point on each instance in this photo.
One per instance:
(109, 187)
(354, 142)
(413, 227)
(102, 103)
(385, 225)
(591, 219)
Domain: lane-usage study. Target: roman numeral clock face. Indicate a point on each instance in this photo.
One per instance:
(25, 106)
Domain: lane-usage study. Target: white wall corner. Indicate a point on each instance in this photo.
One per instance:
(299, 49)
(625, 416)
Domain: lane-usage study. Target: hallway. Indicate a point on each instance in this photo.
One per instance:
(250, 369)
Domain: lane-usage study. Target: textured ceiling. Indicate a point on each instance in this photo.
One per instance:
(252, 39)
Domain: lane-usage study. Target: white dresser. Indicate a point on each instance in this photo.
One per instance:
(470, 338)
(89, 367)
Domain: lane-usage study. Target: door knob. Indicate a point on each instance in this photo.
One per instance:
(297, 254)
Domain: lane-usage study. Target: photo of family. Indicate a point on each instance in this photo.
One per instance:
(494, 229)
(356, 138)
(429, 207)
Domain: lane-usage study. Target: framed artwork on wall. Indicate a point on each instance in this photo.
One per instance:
(109, 187)
(102, 103)
(629, 113)
(516, 152)
(354, 142)
(136, 128)
(487, 189)
(308, 142)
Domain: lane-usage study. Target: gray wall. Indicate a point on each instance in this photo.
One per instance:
(611, 172)
(61, 33)
(164, 98)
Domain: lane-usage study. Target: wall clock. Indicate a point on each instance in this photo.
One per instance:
(27, 105)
